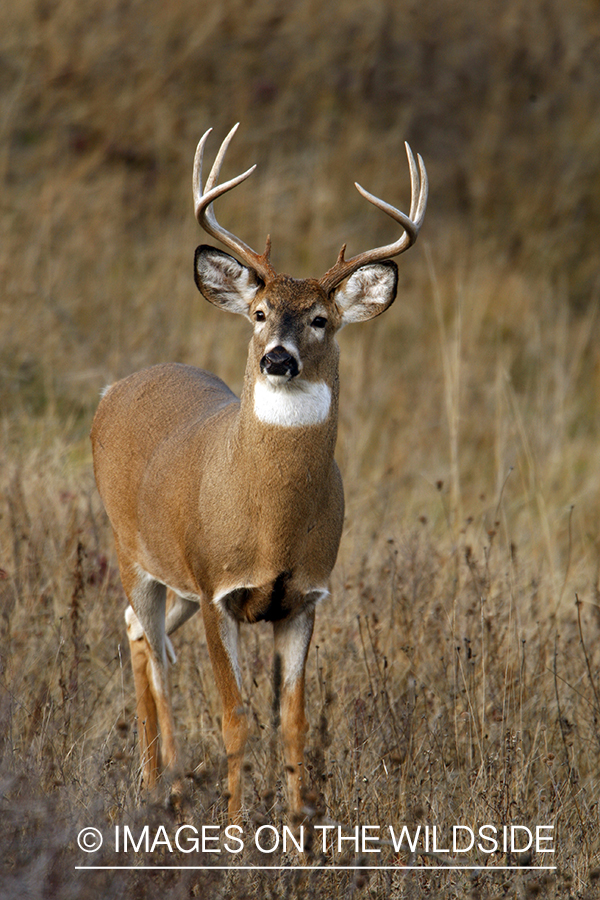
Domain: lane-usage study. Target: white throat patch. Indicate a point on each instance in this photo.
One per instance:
(292, 404)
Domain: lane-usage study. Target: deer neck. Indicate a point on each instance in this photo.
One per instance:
(289, 429)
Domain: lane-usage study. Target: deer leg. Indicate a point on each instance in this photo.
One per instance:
(147, 640)
(292, 640)
(222, 632)
(179, 610)
(146, 713)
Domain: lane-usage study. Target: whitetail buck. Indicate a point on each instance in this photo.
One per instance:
(237, 505)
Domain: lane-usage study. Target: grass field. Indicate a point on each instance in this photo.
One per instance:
(454, 676)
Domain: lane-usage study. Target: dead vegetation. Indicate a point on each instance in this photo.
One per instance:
(454, 671)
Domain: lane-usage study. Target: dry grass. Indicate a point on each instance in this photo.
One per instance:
(455, 678)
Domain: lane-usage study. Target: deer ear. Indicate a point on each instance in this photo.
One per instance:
(367, 293)
(223, 281)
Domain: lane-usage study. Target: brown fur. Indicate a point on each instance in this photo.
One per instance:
(205, 497)
(236, 505)
(181, 521)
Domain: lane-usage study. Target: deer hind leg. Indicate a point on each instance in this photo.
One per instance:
(222, 632)
(145, 620)
(146, 712)
(292, 640)
(179, 610)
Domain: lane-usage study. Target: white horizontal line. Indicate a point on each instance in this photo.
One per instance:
(338, 868)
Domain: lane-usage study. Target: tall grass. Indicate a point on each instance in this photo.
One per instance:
(454, 670)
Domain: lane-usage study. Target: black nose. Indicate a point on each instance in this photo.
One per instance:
(279, 362)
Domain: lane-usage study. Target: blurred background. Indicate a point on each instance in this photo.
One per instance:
(469, 422)
(102, 106)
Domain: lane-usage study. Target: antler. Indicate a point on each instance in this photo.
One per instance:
(419, 188)
(203, 203)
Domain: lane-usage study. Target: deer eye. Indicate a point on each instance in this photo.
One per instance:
(259, 315)
(319, 322)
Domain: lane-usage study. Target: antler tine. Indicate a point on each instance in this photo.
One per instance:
(423, 193)
(203, 205)
(414, 180)
(419, 188)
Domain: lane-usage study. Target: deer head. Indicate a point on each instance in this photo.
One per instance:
(295, 320)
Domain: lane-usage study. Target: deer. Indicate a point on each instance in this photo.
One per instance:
(231, 505)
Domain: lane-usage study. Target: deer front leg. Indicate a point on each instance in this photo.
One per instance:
(222, 638)
(292, 640)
